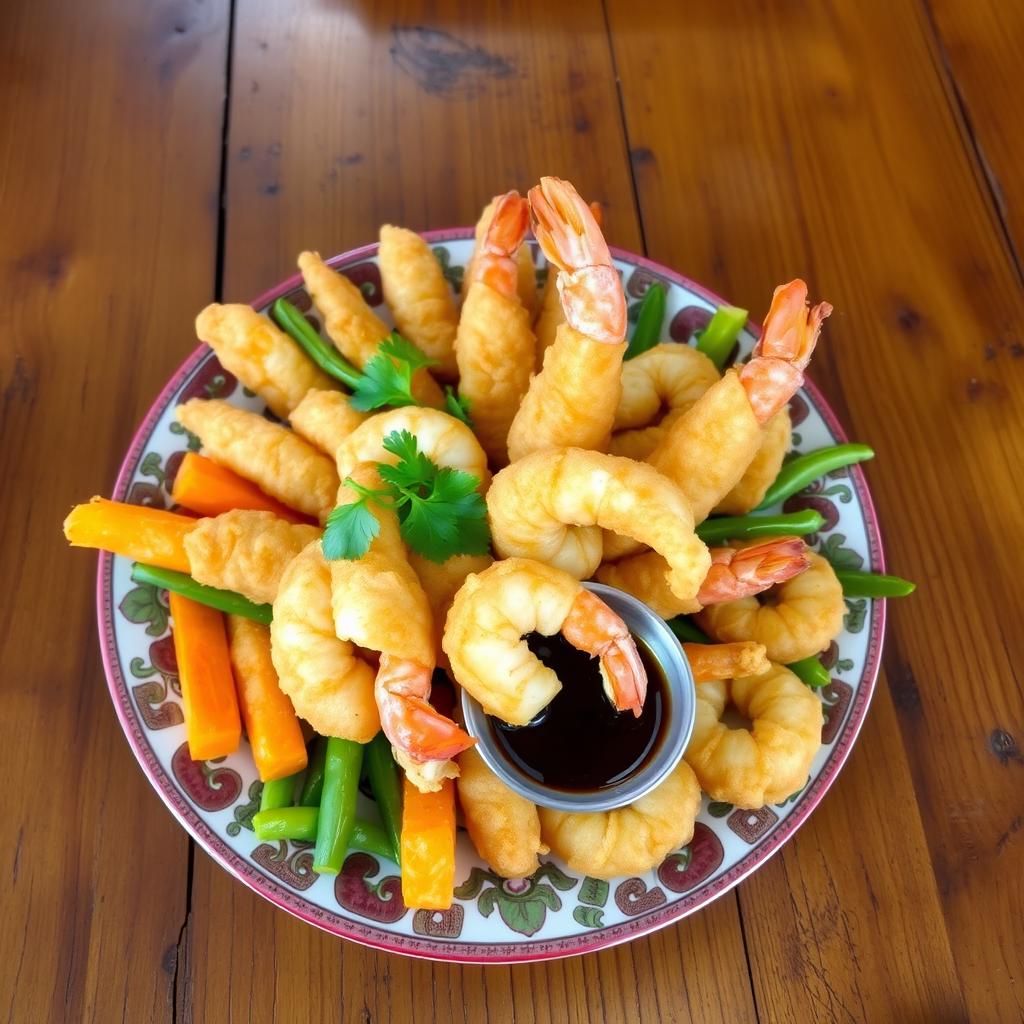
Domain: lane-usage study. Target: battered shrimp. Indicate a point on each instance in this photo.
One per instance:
(325, 419)
(734, 573)
(274, 458)
(711, 662)
(771, 760)
(526, 272)
(494, 345)
(572, 400)
(504, 826)
(379, 605)
(418, 296)
(776, 439)
(329, 682)
(794, 620)
(496, 609)
(260, 355)
(443, 438)
(552, 505)
(629, 840)
(245, 551)
(662, 381)
(350, 323)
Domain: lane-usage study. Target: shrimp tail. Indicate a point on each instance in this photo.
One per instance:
(567, 231)
(789, 334)
(710, 662)
(592, 626)
(742, 572)
(495, 263)
(408, 719)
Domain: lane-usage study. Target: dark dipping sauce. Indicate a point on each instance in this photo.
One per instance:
(579, 743)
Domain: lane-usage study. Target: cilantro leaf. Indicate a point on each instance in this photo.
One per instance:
(350, 529)
(457, 406)
(400, 348)
(414, 469)
(387, 376)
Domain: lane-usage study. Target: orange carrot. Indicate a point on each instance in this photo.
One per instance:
(209, 488)
(142, 534)
(270, 720)
(212, 723)
(428, 846)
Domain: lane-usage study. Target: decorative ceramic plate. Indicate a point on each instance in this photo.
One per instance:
(556, 912)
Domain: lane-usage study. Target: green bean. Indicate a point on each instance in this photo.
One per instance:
(313, 784)
(796, 474)
(811, 672)
(337, 804)
(387, 790)
(873, 584)
(649, 319)
(223, 600)
(721, 528)
(716, 341)
(300, 824)
(293, 323)
(278, 793)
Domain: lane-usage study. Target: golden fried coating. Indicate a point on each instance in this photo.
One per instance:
(504, 826)
(350, 323)
(549, 315)
(494, 348)
(629, 840)
(771, 760)
(245, 551)
(793, 620)
(325, 419)
(260, 355)
(274, 458)
(776, 438)
(645, 576)
(418, 296)
(664, 379)
(329, 683)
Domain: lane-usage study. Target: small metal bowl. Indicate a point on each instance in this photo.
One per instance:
(667, 650)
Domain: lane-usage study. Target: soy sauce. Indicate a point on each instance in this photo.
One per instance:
(579, 743)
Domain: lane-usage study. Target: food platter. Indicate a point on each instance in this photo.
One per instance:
(557, 912)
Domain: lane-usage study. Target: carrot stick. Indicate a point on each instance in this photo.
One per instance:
(428, 846)
(209, 488)
(212, 723)
(142, 534)
(270, 721)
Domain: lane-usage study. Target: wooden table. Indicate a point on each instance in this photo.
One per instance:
(158, 155)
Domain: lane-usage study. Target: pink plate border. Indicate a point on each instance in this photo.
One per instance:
(482, 953)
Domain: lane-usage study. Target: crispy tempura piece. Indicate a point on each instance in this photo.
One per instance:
(325, 419)
(260, 355)
(274, 458)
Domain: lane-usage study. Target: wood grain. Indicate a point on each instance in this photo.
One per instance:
(108, 172)
(556, 111)
(980, 48)
(830, 149)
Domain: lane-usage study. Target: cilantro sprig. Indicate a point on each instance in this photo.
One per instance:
(440, 511)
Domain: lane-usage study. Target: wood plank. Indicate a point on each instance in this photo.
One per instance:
(108, 177)
(321, 160)
(980, 47)
(784, 140)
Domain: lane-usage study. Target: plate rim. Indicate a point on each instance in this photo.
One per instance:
(426, 947)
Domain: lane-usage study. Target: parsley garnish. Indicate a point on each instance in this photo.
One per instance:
(457, 406)
(387, 377)
(440, 511)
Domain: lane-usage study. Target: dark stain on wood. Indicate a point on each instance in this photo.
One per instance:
(1004, 746)
(1005, 837)
(444, 65)
(271, 189)
(906, 696)
(642, 155)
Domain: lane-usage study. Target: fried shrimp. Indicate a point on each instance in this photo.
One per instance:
(350, 323)
(260, 355)
(442, 438)
(328, 681)
(711, 662)
(776, 439)
(504, 826)
(552, 506)
(495, 610)
(734, 573)
(526, 272)
(379, 605)
(629, 840)
(245, 551)
(441, 582)
(794, 620)
(274, 458)
(325, 419)
(418, 296)
(572, 400)
(494, 346)
(662, 381)
(771, 760)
